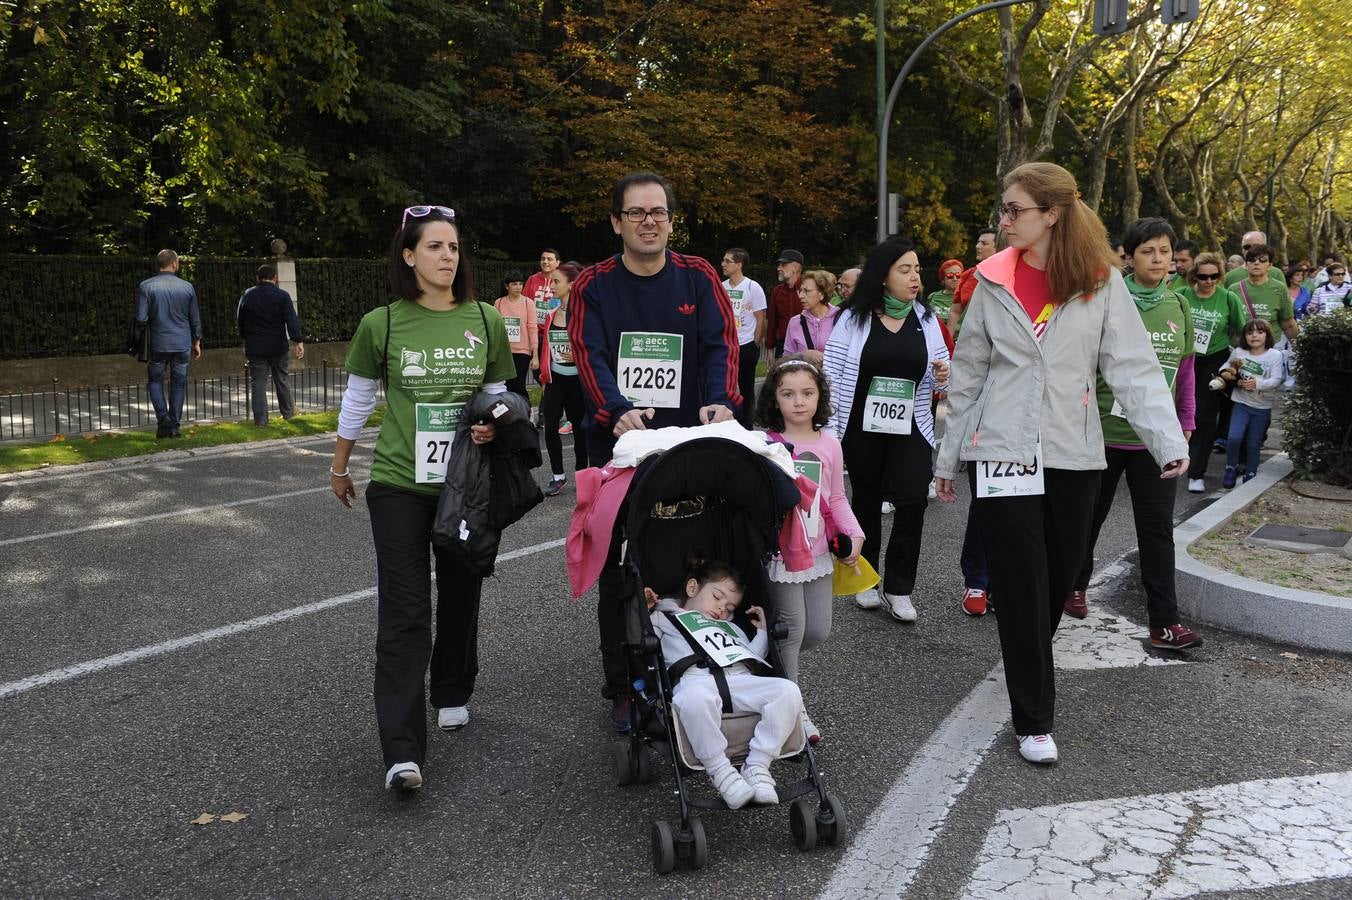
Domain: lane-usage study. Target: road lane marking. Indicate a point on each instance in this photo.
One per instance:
(88, 667)
(887, 854)
(1235, 837)
(154, 517)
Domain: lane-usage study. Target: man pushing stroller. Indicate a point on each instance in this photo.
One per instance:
(711, 661)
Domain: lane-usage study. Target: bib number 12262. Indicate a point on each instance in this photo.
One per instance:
(648, 368)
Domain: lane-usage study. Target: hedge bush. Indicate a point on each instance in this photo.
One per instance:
(1317, 418)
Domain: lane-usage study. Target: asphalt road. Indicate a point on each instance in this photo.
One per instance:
(103, 772)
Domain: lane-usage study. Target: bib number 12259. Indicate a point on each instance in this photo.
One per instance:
(1009, 479)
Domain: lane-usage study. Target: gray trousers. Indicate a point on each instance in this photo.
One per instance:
(261, 368)
(806, 610)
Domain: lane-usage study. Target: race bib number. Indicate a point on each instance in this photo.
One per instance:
(432, 440)
(811, 519)
(738, 303)
(1201, 340)
(649, 368)
(718, 639)
(542, 307)
(1169, 376)
(1010, 479)
(513, 324)
(889, 406)
(561, 348)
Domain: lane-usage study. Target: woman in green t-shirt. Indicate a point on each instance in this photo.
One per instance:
(434, 348)
(1218, 321)
(1169, 325)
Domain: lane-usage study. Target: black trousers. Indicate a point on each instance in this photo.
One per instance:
(1213, 407)
(564, 392)
(401, 527)
(610, 622)
(898, 467)
(1152, 506)
(746, 382)
(1034, 546)
(517, 385)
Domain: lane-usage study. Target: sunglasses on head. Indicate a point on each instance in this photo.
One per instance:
(419, 212)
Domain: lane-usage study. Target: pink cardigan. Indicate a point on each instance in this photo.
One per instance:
(836, 506)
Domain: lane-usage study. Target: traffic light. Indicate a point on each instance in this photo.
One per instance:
(1177, 12)
(1110, 16)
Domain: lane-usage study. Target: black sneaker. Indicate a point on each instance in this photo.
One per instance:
(162, 427)
(555, 485)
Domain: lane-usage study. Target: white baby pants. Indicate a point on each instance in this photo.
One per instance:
(777, 700)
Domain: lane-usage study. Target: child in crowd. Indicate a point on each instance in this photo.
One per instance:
(1261, 373)
(700, 620)
(794, 405)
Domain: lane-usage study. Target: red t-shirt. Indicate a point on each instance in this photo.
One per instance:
(1030, 289)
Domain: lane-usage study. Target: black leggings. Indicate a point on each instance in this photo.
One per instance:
(517, 385)
(564, 392)
(899, 467)
(401, 527)
(1213, 407)
(747, 357)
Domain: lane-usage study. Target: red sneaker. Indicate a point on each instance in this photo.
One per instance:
(1174, 637)
(1076, 605)
(974, 602)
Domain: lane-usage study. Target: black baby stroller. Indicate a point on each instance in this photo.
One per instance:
(726, 500)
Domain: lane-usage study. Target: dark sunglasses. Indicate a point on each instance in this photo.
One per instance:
(419, 212)
(1204, 276)
(1337, 274)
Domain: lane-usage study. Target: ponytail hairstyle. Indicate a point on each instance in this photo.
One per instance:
(1080, 258)
(706, 570)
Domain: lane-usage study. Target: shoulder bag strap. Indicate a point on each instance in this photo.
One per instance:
(1244, 292)
(807, 337)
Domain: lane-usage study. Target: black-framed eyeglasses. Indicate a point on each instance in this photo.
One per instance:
(1012, 211)
(1207, 276)
(637, 214)
(419, 212)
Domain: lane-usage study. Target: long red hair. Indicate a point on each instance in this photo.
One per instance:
(1080, 258)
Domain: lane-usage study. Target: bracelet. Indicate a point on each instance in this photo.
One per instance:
(343, 474)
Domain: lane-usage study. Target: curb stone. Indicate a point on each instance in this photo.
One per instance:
(1308, 619)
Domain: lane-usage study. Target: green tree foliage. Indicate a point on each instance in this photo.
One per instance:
(215, 125)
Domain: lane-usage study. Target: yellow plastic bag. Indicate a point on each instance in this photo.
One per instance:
(847, 581)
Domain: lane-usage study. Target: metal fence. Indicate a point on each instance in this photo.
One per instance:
(38, 414)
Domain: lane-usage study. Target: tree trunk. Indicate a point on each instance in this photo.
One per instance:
(1131, 191)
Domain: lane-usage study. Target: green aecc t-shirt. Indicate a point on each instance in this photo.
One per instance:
(1169, 324)
(1271, 302)
(1221, 315)
(435, 357)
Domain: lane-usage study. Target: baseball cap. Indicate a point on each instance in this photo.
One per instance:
(790, 256)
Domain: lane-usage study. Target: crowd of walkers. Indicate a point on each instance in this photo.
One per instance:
(1058, 364)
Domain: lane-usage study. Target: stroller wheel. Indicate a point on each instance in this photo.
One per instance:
(803, 824)
(643, 764)
(831, 820)
(664, 848)
(622, 763)
(699, 847)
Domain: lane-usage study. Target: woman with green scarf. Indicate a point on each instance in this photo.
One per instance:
(1168, 321)
(886, 357)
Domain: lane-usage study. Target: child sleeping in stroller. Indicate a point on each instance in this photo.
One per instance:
(709, 656)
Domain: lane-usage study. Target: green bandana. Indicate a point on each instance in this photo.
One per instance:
(897, 309)
(1146, 298)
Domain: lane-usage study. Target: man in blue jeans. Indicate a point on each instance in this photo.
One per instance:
(168, 306)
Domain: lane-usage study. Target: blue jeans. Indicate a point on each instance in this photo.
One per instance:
(178, 384)
(1248, 425)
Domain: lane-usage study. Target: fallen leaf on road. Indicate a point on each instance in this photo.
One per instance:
(1289, 655)
(203, 819)
(234, 817)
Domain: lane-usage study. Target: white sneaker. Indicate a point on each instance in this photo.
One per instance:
(1196, 486)
(902, 608)
(933, 491)
(762, 784)
(1037, 748)
(868, 599)
(732, 787)
(449, 718)
(404, 776)
(888, 508)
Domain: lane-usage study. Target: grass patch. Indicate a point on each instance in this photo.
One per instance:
(66, 450)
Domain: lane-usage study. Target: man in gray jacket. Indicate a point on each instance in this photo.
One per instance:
(168, 306)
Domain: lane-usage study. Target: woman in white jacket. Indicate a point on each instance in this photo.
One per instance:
(1047, 313)
(885, 359)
